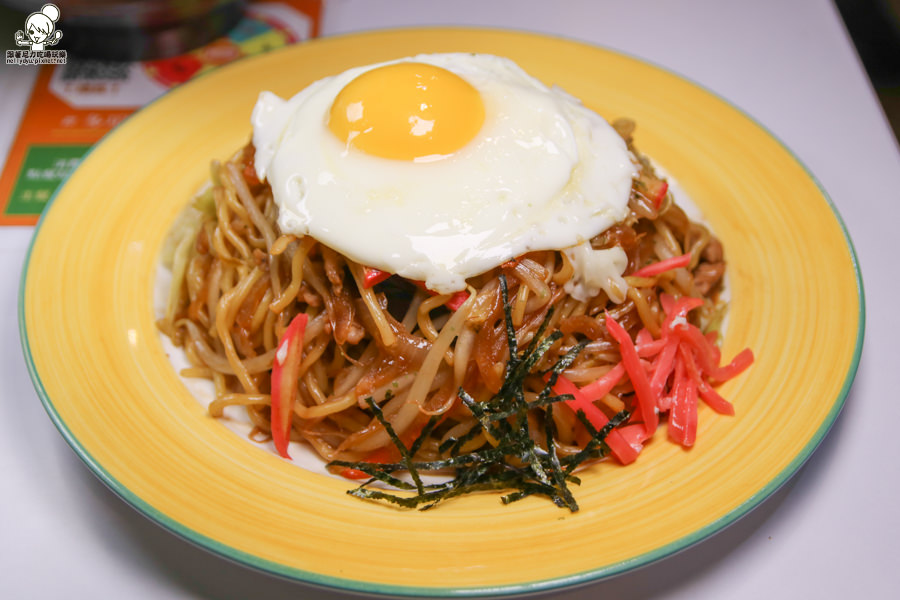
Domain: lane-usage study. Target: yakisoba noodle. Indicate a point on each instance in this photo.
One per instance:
(392, 374)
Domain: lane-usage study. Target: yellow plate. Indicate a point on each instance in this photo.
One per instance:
(97, 363)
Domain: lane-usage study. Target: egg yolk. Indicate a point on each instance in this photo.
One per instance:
(407, 111)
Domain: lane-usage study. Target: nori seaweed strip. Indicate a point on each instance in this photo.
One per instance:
(377, 472)
(501, 429)
(370, 494)
(538, 403)
(556, 469)
(518, 367)
(453, 445)
(530, 488)
(404, 451)
(489, 455)
(497, 429)
(534, 489)
(468, 480)
(561, 365)
(532, 350)
(537, 352)
(507, 477)
(477, 409)
(471, 479)
(598, 439)
(426, 431)
(510, 328)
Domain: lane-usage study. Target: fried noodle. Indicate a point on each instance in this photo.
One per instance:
(238, 282)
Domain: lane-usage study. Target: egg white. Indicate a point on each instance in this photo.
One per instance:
(543, 173)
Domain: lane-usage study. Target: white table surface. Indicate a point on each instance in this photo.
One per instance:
(833, 531)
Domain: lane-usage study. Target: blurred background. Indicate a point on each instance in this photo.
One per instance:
(151, 29)
(874, 26)
(132, 29)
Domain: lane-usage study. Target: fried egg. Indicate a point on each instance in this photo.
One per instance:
(440, 167)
